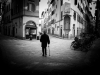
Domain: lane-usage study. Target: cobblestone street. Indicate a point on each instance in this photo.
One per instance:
(26, 55)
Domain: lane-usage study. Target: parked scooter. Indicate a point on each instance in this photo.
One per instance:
(75, 44)
(83, 43)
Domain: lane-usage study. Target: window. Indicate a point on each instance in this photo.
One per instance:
(78, 6)
(53, 3)
(31, 7)
(73, 26)
(16, 30)
(90, 8)
(81, 10)
(77, 17)
(52, 21)
(94, 3)
(75, 2)
(55, 25)
(61, 15)
(17, 8)
(57, 28)
(12, 12)
(9, 7)
(53, 12)
(82, 21)
(9, 18)
(61, 2)
(81, 1)
(74, 15)
(37, 8)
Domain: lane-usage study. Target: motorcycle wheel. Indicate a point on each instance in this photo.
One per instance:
(72, 47)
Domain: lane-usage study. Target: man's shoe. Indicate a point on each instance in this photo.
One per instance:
(43, 55)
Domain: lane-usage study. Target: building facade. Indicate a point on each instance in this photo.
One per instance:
(6, 18)
(0, 14)
(67, 18)
(24, 18)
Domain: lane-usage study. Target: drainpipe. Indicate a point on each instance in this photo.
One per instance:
(59, 19)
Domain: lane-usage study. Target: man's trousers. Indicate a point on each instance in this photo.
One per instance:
(44, 51)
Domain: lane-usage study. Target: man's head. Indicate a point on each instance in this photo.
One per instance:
(44, 32)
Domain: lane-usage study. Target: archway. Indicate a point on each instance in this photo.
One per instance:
(30, 28)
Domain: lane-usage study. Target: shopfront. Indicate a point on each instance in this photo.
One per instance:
(30, 29)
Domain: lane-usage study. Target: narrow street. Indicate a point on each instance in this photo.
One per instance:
(25, 56)
(65, 18)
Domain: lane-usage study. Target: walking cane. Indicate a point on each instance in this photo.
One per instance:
(49, 50)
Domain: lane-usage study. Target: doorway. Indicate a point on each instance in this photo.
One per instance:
(73, 30)
(30, 29)
(61, 32)
(13, 31)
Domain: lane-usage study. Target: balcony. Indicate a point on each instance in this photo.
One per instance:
(89, 1)
(52, 1)
(52, 21)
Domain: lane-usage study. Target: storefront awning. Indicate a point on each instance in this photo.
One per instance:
(31, 24)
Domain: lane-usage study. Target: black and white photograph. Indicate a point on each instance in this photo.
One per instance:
(49, 37)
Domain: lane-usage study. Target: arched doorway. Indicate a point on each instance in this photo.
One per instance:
(30, 28)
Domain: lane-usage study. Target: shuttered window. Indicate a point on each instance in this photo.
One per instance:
(31, 7)
(75, 2)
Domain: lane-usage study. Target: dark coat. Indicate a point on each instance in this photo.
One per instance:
(44, 40)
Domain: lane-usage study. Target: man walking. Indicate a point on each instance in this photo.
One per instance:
(44, 41)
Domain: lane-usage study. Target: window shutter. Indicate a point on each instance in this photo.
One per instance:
(33, 7)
